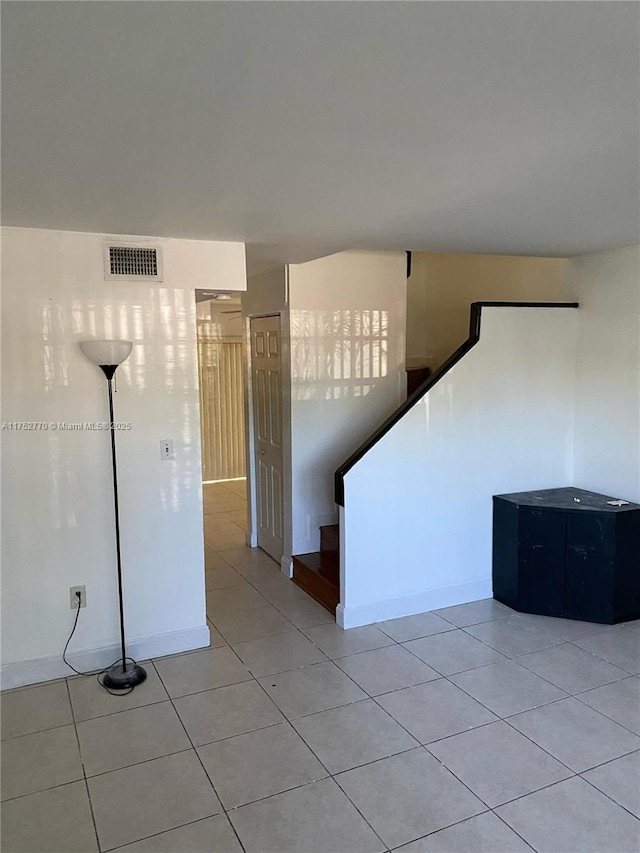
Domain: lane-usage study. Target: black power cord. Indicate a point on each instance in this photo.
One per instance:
(96, 672)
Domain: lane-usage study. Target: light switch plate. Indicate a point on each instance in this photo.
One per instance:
(166, 449)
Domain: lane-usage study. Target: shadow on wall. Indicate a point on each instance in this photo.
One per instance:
(338, 354)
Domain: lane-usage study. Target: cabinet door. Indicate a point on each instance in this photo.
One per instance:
(627, 581)
(505, 552)
(542, 557)
(589, 577)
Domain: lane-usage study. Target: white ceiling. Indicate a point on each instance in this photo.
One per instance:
(305, 127)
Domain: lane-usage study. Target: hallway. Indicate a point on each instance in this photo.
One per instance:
(248, 598)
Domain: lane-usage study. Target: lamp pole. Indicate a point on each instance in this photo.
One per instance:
(108, 355)
(109, 370)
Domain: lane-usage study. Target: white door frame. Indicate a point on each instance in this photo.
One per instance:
(286, 563)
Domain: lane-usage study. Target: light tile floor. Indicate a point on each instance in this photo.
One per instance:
(468, 729)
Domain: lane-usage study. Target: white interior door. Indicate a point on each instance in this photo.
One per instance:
(266, 369)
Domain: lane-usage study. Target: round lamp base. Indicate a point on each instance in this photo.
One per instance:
(118, 679)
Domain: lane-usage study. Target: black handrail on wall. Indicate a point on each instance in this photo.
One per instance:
(427, 385)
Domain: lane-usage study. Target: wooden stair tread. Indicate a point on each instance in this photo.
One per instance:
(318, 574)
(323, 564)
(330, 539)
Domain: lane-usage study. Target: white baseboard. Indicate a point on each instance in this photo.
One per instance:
(408, 605)
(251, 539)
(141, 648)
(286, 566)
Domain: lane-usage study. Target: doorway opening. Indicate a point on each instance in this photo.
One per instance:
(248, 597)
(222, 419)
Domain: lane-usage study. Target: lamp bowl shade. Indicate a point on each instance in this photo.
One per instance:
(106, 352)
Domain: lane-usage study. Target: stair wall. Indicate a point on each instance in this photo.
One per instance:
(416, 522)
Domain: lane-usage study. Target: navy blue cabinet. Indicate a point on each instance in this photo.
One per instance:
(569, 553)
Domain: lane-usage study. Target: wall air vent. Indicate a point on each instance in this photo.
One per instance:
(132, 263)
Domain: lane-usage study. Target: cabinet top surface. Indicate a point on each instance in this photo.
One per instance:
(568, 498)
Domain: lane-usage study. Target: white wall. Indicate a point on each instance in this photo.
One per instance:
(417, 518)
(442, 287)
(266, 293)
(57, 510)
(347, 327)
(607, 446)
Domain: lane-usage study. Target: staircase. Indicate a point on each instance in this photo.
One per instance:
(318, 574)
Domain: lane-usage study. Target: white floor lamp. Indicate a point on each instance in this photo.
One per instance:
(108, 355)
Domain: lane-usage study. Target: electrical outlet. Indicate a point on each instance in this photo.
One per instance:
(73, 598)
(166, 448)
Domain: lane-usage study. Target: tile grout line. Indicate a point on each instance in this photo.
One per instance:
(506, 720)
(573, 773)
(84, 770)
(426, 749)
(421, 745)
(513, 829)
(606, 716)
(458, 823)
(425, 746)
(333, 775)
(333, 660)
(604, 793)
(484, 665)
(204, 769)
(37, 732)
(329, 775)
(192, 748)
(522, 665)
(294, 627)
(560, 642)
(289, 723)
(586, 705)
(374, 697)
(43, 790)
(125, 710)
(137, 763)
(599, 657)
(396, 642)
(162, 832)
